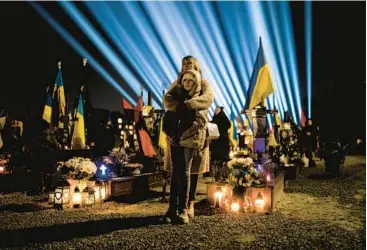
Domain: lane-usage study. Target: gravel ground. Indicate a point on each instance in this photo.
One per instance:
(316, 212)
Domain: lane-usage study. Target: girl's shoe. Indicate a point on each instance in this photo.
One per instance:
(190, 211)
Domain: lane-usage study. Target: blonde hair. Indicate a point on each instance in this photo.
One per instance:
(194, 61)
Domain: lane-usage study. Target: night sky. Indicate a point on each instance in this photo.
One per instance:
(30, 49)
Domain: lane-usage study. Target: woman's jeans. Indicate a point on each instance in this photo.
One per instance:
(183, 183)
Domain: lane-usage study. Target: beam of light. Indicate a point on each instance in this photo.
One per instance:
(80, 50)
(125, 45)
(199, 49)
(308, 42)
(287, 21)
(247, 53)
(223, 80)
(275, 35)
(151, 40)
(133, 84)
(222, 47)
(190, 34)
(153, 37)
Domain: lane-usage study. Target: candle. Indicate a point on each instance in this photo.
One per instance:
(218, 199)
(235, 207)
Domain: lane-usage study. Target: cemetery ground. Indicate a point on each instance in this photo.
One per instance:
(315, 212)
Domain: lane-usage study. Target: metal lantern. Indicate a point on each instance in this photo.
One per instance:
(103, 191)
(62, 194)
(88, 197)
(97, 193)
(77, 197)
(51, 197)
(259, 203)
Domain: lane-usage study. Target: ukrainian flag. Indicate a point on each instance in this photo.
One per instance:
(47, 111)
(78, 139)
(261, 85)
(59, 94)
(233, 129)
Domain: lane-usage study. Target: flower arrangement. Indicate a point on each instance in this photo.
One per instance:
(243, 173)
(116, 156)
(77, 168)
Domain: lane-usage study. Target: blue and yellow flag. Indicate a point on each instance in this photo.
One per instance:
(58, 96)
(47, 111)
(233, 129)
(261, 85)
(78, 139)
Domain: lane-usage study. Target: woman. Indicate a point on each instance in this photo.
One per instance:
(309, 141)
(220, 147)
(175, 153)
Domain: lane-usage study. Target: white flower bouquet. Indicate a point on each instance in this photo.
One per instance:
(77, 168)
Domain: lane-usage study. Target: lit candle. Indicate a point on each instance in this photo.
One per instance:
(218, 199)
(77, 197)
(235, 207)
(268, 179)
(259, 203)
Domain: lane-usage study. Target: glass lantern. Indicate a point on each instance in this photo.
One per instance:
(62, 194)
(51, 197)
(77, 197)
(88, 197)
(259, 203)
(97, 193)
(103, 190)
